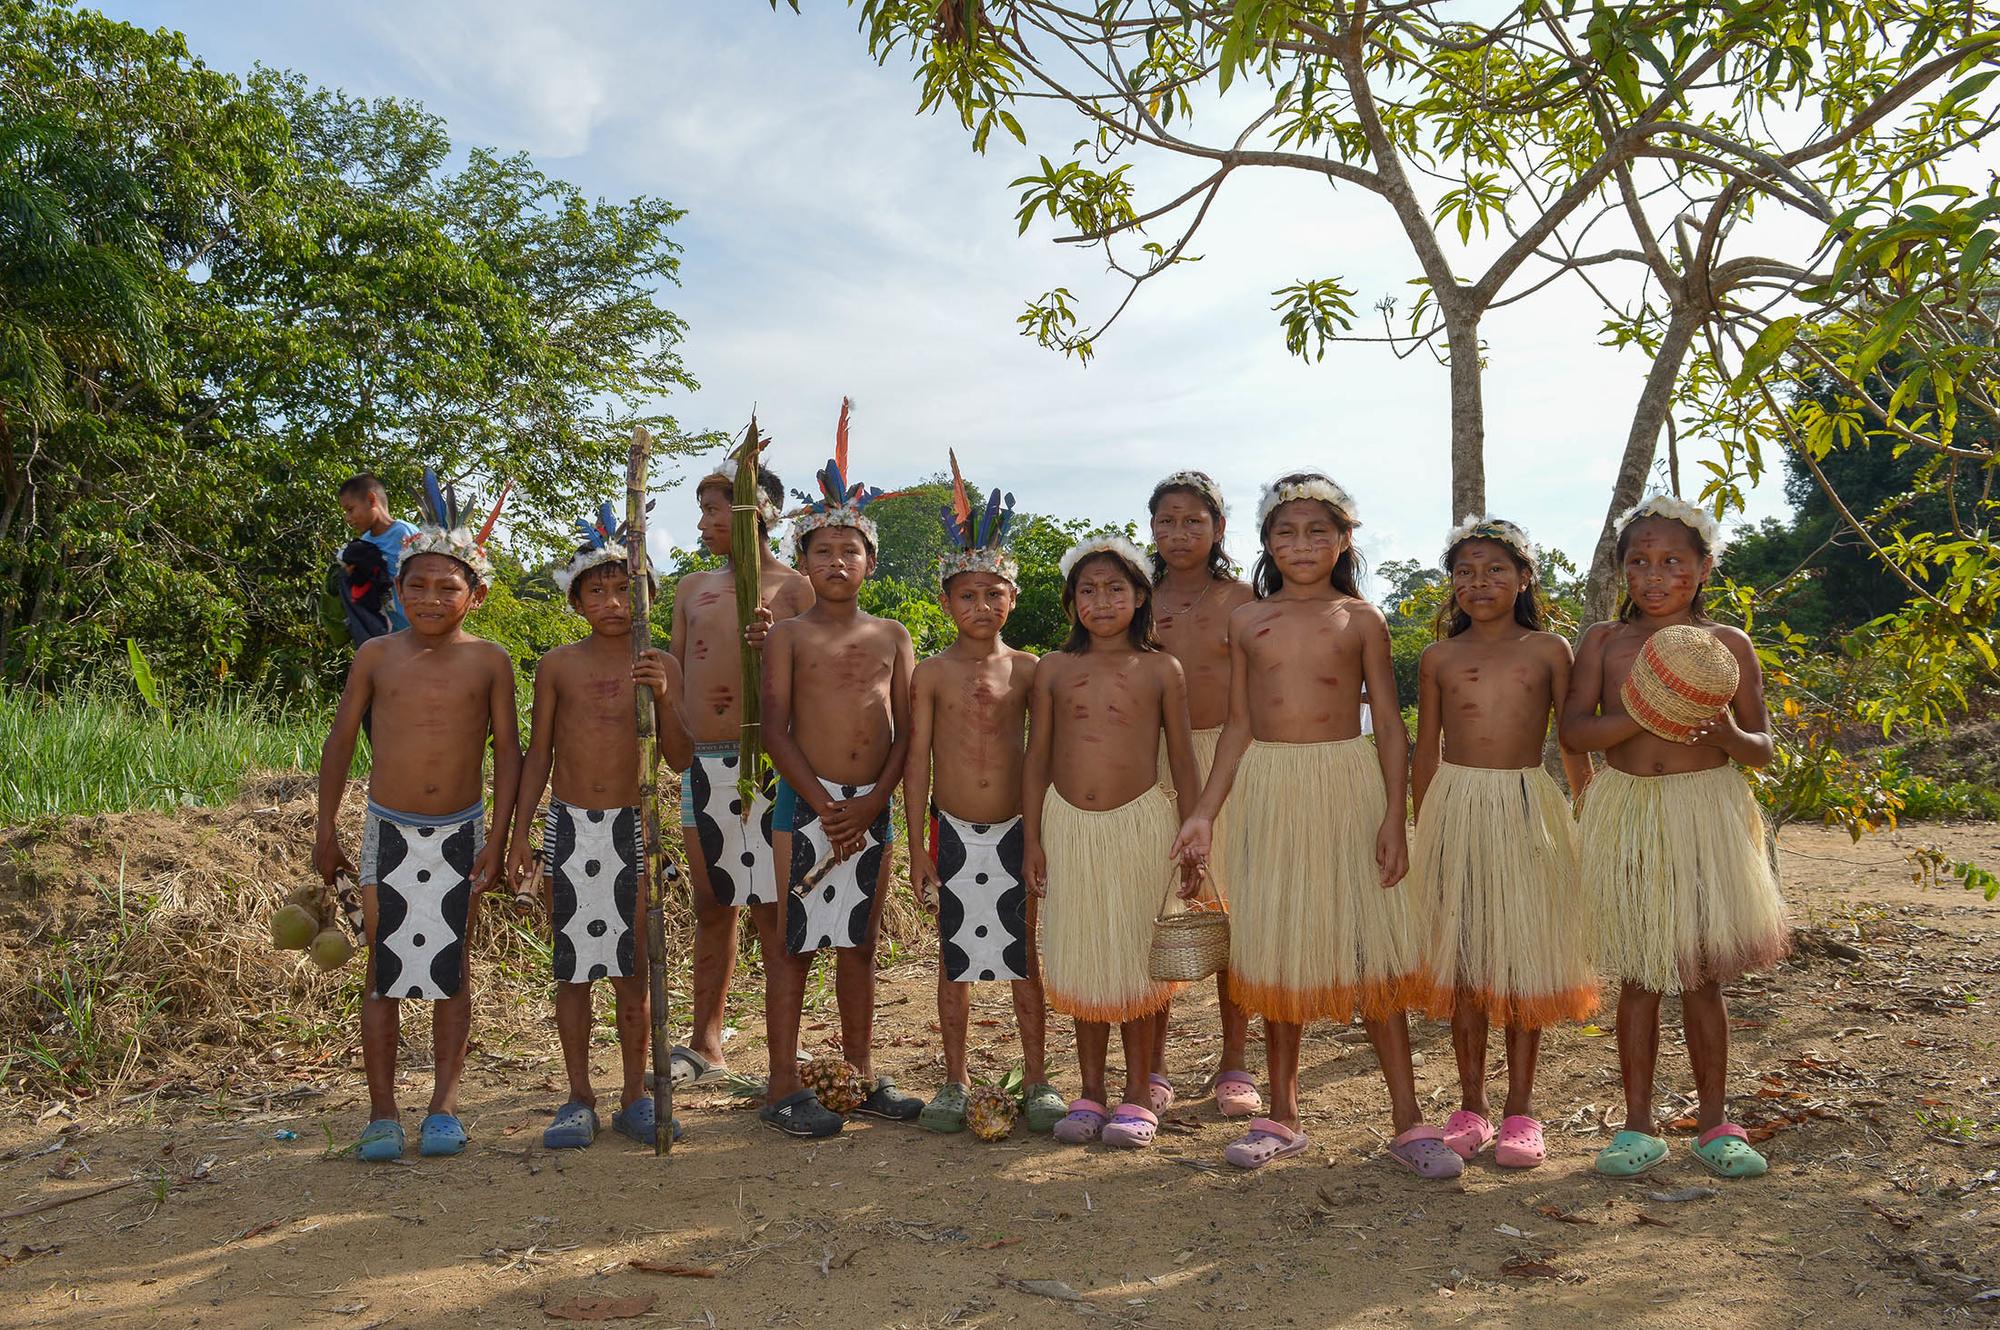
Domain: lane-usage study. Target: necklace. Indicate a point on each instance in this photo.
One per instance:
(1191, 606)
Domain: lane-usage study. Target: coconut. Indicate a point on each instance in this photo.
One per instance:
(331, 950)
(293, 927)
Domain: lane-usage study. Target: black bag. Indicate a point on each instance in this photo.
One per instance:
(361, 578)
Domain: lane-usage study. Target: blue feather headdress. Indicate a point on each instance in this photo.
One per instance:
(976, 536)
(838, 504)
(444, 528)
(603, 541)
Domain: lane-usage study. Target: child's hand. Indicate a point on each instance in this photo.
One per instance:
(1392, 852)
(330, 861)
(1193, 871)
(650, 670)
(523, 869)
(924, 880)
(758, 628)
(1035, 868)
(486, 866)
(849, 819)
(1195, 839)
(1721, 732)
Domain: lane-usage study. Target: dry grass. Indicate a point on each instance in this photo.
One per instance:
(141, 959)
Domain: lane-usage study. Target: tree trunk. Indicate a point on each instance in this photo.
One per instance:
(1656, 399)
(1468, 418)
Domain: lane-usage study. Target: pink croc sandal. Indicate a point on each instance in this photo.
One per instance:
(1084, 1123)
(1422, 1150)
(1467, 1133)
(1266, 1140)
(1160, 1091)
(1521, 1144)
(1132, 1127)
(1236, 1094)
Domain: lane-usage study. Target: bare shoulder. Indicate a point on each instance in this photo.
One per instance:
(377, 651)
(1366, 619)
(1598, 635)
(1023, 664)
(491, 656)
(891, 630)
(1166, 667)
(1738, 642)
(794, 594)
(1552, 646)
(1437, 655)
(692, 583)
(1054, 667)
(784, 631)
(1236, 593)
(1251, 613)
(555, 662)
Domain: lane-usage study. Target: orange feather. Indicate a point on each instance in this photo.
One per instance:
(961, 503)
(494, 516)
(840, 436)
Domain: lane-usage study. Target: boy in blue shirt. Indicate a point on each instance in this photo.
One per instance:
(364, 502)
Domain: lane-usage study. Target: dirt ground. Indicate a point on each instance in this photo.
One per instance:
(1868, 1058)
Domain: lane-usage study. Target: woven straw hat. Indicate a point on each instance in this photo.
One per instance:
(1683, 678)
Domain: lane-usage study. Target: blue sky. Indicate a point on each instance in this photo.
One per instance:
(836, 243)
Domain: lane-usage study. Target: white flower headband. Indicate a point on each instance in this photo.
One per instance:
(1200, 482)
(1475, 527)
(1313, 486)
(1116, 546)
(1692, 516)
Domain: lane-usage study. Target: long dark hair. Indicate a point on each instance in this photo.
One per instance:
(1628, 609)
(1220, 566)
(1139, 632)
(1347, 569)
(1529, 611)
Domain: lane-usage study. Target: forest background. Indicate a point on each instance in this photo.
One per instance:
(220, 295)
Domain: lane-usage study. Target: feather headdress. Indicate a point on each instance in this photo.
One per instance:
(1692, 516)
(1475, 527)
(1117, 547)
(1307, 485)
(839, 503)
(444, 530)
(976, 536)
(603, 542)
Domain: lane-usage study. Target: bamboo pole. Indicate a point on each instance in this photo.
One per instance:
(658, 872)
(746, 563)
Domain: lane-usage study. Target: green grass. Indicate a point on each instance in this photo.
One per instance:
(94, 751)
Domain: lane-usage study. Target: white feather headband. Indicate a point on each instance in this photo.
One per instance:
(1313, 486)
(1499, 529)
(1692, 516)
(1200, 482)
(1116, 546)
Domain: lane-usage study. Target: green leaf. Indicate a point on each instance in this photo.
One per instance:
(142, 675)
(1764, 352)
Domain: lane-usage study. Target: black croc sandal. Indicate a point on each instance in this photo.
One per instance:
(801, 1114)
(886, 1101)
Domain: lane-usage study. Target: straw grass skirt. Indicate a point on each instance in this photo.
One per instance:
(1108, 874)
(1311, 931)
(1204, 761)
(1493, 871)
(1685, 892)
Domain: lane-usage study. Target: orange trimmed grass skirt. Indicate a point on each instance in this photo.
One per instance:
(1312, 933)
(1494, 872)
(1108, 878)
(1204, 760)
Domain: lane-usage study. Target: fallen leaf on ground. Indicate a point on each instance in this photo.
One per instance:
(1561, 1215)
(1642, 1219)
(1529, 1267)
(1896, 1221)
(679, 1271)
(996, 1243)
(601, 1309)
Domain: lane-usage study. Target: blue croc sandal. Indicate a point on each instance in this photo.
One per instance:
(639, 1121)
(441, 1134)
(381, 1141)
(1630, 1154)
(574, 1128)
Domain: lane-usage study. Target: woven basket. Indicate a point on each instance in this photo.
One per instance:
(1189, 945)
(1683, 678)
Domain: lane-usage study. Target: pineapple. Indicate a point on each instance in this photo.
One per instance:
(835, 1082)
(990, 1113)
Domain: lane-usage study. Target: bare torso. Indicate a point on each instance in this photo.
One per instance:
(1645, 753)
(1108, 712)
(431, 717)
(1496, 696)
(978, 726)
(1304, 662)
(1196, 631)
(841, 676)
(709, 645)
(596, 744)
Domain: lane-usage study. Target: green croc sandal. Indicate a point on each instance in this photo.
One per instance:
(1630, 1154)
(946, 1112)
(1726, 1152)
(1045, 1107)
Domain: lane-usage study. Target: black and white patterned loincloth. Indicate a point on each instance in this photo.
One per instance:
(736, 852)
(421, 869)
(593, 859)
(835, 911)
(982, 898)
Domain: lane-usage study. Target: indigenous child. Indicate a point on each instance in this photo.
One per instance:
(426, 851)
(968, 719)
(1671, 840)
(1195, 590)
(1097, 823)
(592, 856)
(364, 505)
(1494, 867)
(728, 851)
(1315, 841)
(837, 726)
